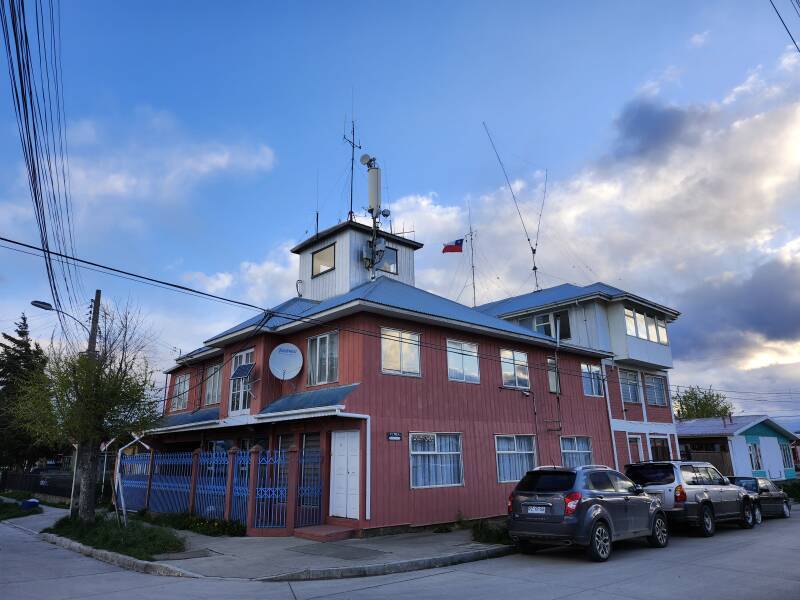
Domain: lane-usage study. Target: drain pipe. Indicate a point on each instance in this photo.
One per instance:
(368, 502)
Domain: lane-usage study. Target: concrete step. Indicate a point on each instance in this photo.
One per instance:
(325, 533)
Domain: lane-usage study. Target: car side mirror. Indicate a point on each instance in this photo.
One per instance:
(637, 489)
(725, 481)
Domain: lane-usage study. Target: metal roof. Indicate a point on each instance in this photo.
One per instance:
(197, 416)
(331, 231)
(726, 426)
(321, 398)
(565, 293)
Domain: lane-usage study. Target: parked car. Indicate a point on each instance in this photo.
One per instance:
(772, 500)
(589, 506)
(694, 493)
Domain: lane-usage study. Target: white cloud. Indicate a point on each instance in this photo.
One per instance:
(13, 215)
(790, 59)
(698, 40)
(754, 85)
(272, 280)
(82, 132)
(654, 85)
(214, 284)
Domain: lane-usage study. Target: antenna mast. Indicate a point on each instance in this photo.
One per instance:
(472, 253)
(353, 145)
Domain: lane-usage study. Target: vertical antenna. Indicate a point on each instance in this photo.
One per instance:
(538, 227)
(471, 253)
(353, 145)
(316, 225)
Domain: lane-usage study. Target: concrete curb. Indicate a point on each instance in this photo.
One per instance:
(119, 560)
(404, 566)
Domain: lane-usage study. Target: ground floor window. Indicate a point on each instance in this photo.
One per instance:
(659, 448)
(786, 452)
(576, 451)
(436, 460)
(515, 456)
(755, 456)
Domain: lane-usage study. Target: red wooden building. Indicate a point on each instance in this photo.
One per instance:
(422, 410)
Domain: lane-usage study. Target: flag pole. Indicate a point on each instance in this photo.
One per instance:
(471, 253)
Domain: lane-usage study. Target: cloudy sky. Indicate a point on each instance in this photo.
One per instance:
(203, 139)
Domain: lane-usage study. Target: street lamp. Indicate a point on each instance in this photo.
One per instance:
(47, 306)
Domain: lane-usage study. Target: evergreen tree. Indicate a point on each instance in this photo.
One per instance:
(20, 359)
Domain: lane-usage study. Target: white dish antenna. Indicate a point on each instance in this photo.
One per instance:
(285, 361)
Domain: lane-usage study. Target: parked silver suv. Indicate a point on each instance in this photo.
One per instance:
(694, 492)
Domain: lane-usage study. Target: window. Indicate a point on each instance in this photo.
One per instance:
(650, 474)
(180, 392)
(561, 323)
(514, 367)
(323, 358)
(213, 385)
(323, 260)
(786, 452)
(515, 456)
(546, 324)
(240, 386)
(576, 451)
(755, 456)
(655, 390)
(388, 263)
(553, 381)
(541, 324)
(641, 326)
(714, 476)
(547, 481)
(462, 362)
(601, 482)
(622, 483)
(399, 352)
(659, 448)
(629, 385)
(436, 460)
(592, 380)
(630, 322)
(652, 333)
(662, 331)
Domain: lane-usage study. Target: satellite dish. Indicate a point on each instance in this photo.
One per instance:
(285, 361)
(365, 158)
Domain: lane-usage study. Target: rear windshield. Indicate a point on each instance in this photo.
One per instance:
(546, 481)
(651, 474)
(748, 484)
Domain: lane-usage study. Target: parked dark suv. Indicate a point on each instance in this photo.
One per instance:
(590, 506)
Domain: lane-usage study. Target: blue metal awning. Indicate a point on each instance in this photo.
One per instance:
(242, 371)
(319, 398)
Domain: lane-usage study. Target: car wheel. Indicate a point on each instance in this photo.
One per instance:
(748, 520)
(527, 548)
(659, 538)
(599, 542)
(707, 525)
(787, 510)
(757, 516)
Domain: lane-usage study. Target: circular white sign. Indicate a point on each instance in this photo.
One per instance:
(285, 361)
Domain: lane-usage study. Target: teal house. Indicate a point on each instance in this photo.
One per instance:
(744, 445)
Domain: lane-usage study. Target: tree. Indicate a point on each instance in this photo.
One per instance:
(697, 403)
(90, 400)
(20, 359)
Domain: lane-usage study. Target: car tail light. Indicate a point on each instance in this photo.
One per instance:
(510, 503)
(680, 494)
(571, 503)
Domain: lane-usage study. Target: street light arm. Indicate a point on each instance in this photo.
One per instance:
(47, 306)
(85, 328)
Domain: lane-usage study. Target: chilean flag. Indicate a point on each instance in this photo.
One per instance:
(454, 246)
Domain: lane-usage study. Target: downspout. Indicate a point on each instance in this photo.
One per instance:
(610, 421)
(368, 483)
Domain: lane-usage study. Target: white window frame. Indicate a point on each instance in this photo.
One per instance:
(627, 383)
(212, 394)
(516, 450)
(317, 251)
(593, 374)
(396, 335)
(458, 354)
(553, 375)
(517, 359)
(663, 337)
(786, 453)
(547, 323)
(664, 388)
(242, 388)
(630, 322)
(180, 399)
(754, 450)
(313, 369)
(575, 437)
(646, 326)
(436, 435)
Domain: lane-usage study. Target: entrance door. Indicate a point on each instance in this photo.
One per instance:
(345, 474)
(635, 445)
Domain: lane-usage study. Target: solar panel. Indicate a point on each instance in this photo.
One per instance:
(242, 371)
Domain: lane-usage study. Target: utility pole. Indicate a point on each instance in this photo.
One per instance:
(92, 350)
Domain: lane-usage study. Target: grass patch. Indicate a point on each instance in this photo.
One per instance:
(213, 527)
(490, 531)
(18, 495)
(11, 510)
(136, 540)
(792, 488)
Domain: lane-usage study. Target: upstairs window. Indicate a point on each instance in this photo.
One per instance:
(553, 380)
(541, 324)
(592, 377)
(655, 390)
(629, 386)
(180, 393)
(241, 381)
(462, 362)
(323, 358)
(323, 260)
(400, 352)
(561, 324)
(388, 263)
(630, 322)
(548, 323)
(213, 385)
(514, 368)
(646, 327)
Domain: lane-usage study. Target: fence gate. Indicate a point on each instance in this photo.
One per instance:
(133, 475)
(241, 483)
(309, 489)
(212, 479)
(172, 476)
(271, 488)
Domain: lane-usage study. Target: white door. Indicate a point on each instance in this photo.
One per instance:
(345, 474)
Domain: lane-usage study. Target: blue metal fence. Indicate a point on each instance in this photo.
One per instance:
(271, 488)
(212, 481)
(133, 475)
(172, 475)
(309, 489)
(241, 483)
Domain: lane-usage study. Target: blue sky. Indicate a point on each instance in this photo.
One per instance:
(198, 133)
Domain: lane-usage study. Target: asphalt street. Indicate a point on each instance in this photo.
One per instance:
(736, 563)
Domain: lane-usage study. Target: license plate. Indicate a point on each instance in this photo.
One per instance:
(537, 510)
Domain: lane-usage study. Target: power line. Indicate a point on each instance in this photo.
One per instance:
(786, 27)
